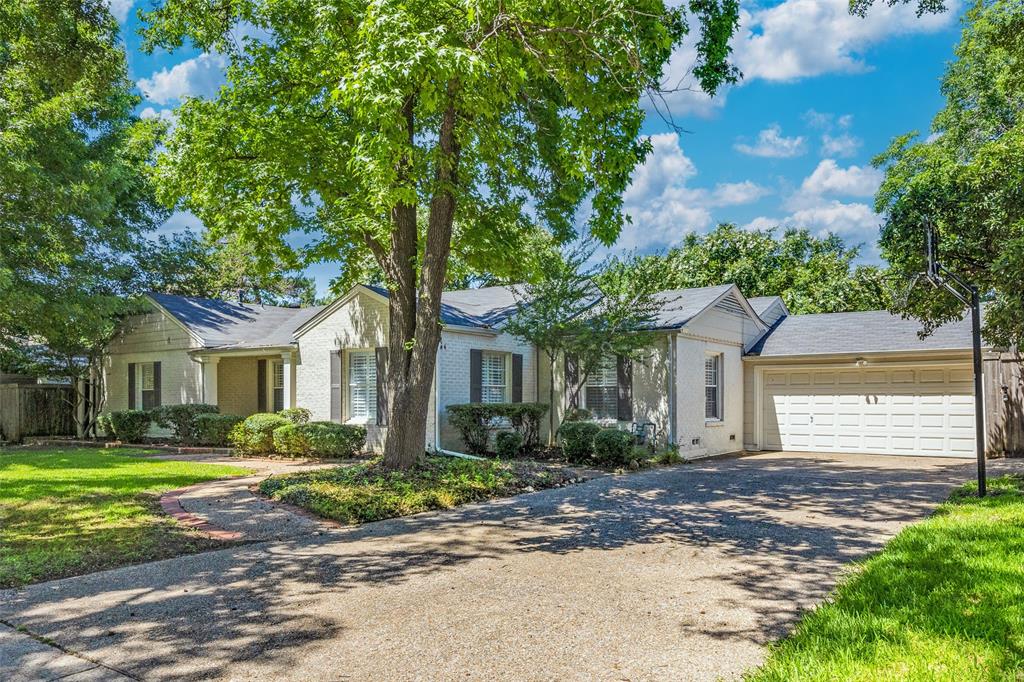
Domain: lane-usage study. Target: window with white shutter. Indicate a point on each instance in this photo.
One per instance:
(713, 387)
(600, 395)
(362, 386)
(278, 385)
(494, 378)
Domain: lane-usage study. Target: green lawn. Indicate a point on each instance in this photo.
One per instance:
(71, 511)
(363, 492)
(943, 601)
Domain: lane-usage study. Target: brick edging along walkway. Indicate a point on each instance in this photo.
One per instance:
(170, 502)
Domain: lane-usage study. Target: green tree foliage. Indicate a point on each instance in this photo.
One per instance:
(573, 309)
(811, 274)
(352, 121)
(74, 182)
(967, 178)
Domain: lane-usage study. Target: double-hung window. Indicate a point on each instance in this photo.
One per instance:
(713, 387)
(362, 386)
(494, 387)
(600, 395)
(277, 385)
(148, 396)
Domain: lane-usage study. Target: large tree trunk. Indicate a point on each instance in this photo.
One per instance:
(414, 316)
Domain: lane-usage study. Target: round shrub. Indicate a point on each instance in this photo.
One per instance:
(319, 439)
(578, 440)
(508, 444)
(254, 435)
(213, 429)
(181, 420)
(296, 415)
(613, 447)
(104, 425)
(130, 426)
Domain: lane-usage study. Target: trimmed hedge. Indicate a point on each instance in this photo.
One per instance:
(129, 426)
(181, 420)
(254, 435)
(213, 428)
(508, 444)
(296, 415)
(476, 421)
(613, 447)
(578, 440)
(320, 439)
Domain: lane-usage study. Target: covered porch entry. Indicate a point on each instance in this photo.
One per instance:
(250, 381)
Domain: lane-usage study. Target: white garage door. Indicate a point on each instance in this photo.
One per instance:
(901, 411)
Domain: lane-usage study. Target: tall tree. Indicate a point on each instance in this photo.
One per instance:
(811, 274)
(967, 178)
(344, 121)
(75, 195)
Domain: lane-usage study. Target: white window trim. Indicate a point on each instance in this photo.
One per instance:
(506, 358)
(719, 386)
(371, 407)
(272, 384)
(140, 384)
(605, 421)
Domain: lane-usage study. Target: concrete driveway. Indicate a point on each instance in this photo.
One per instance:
(681, 573)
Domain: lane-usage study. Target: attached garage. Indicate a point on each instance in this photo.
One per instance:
(909, 410)
(861, 383)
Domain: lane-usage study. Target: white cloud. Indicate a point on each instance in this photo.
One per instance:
(772, 144)
(801, 38)
(843, 144)
(163, 114)
(828, 178)
(854, 222)
(664, 206)
(181, 221)
(197, 77)
(120, 9)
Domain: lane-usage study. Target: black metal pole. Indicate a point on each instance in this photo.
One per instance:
(979, 398)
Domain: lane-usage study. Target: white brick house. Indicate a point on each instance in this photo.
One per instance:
(725, 374)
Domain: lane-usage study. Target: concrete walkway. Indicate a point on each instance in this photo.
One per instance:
(682, 573)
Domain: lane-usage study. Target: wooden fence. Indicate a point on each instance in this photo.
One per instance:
(1004, 404)
(35, 410)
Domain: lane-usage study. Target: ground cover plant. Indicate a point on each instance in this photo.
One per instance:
(72, 511)
(368, 492)
(943, 601)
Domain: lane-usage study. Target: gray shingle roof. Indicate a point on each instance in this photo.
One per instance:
(679, 306)
(221, 324)
(486, 307)
(865, 332)
(762, 303)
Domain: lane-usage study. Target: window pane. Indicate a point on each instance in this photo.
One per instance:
(601, 394)
(492, 377)
(362, 386)
(712, 387)
(147, 376)
(278, 399)
(278, 375)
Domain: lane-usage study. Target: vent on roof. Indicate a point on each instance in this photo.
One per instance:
(729, 304)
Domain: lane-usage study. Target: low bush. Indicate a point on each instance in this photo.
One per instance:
(130, 426)
(254, 435)
(181, 420)
(296, 415)
(613, 447)
(578, 440)
(578, 414)
(669, 455)
(213, 429)
(508, 444)
(476, 421)
(319, 439)
(104, 425)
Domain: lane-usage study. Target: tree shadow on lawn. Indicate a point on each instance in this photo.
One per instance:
(784, 526)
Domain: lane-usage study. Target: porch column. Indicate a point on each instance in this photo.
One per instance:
(210, 380)
(288, 370)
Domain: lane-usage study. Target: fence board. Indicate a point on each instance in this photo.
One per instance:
(35, 410)
(1004, 404)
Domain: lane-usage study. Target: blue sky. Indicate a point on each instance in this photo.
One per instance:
(823, 93)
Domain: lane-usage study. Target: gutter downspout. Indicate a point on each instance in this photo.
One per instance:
(671, 389)
(437, 415)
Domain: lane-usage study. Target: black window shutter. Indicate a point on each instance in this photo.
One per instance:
(157, 402)
(625, 383)
(382, 385)
(261, 385)
(476, 375)
(517, 378)
(572, 378)
(131, 385)
(336, 386)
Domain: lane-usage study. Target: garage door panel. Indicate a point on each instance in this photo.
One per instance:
(911, 410)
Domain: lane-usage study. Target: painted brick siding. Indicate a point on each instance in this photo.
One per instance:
(714, 438)
(453, 373)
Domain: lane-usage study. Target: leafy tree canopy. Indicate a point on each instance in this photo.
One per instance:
(968, 178)
(811, 274)
(345, 121)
